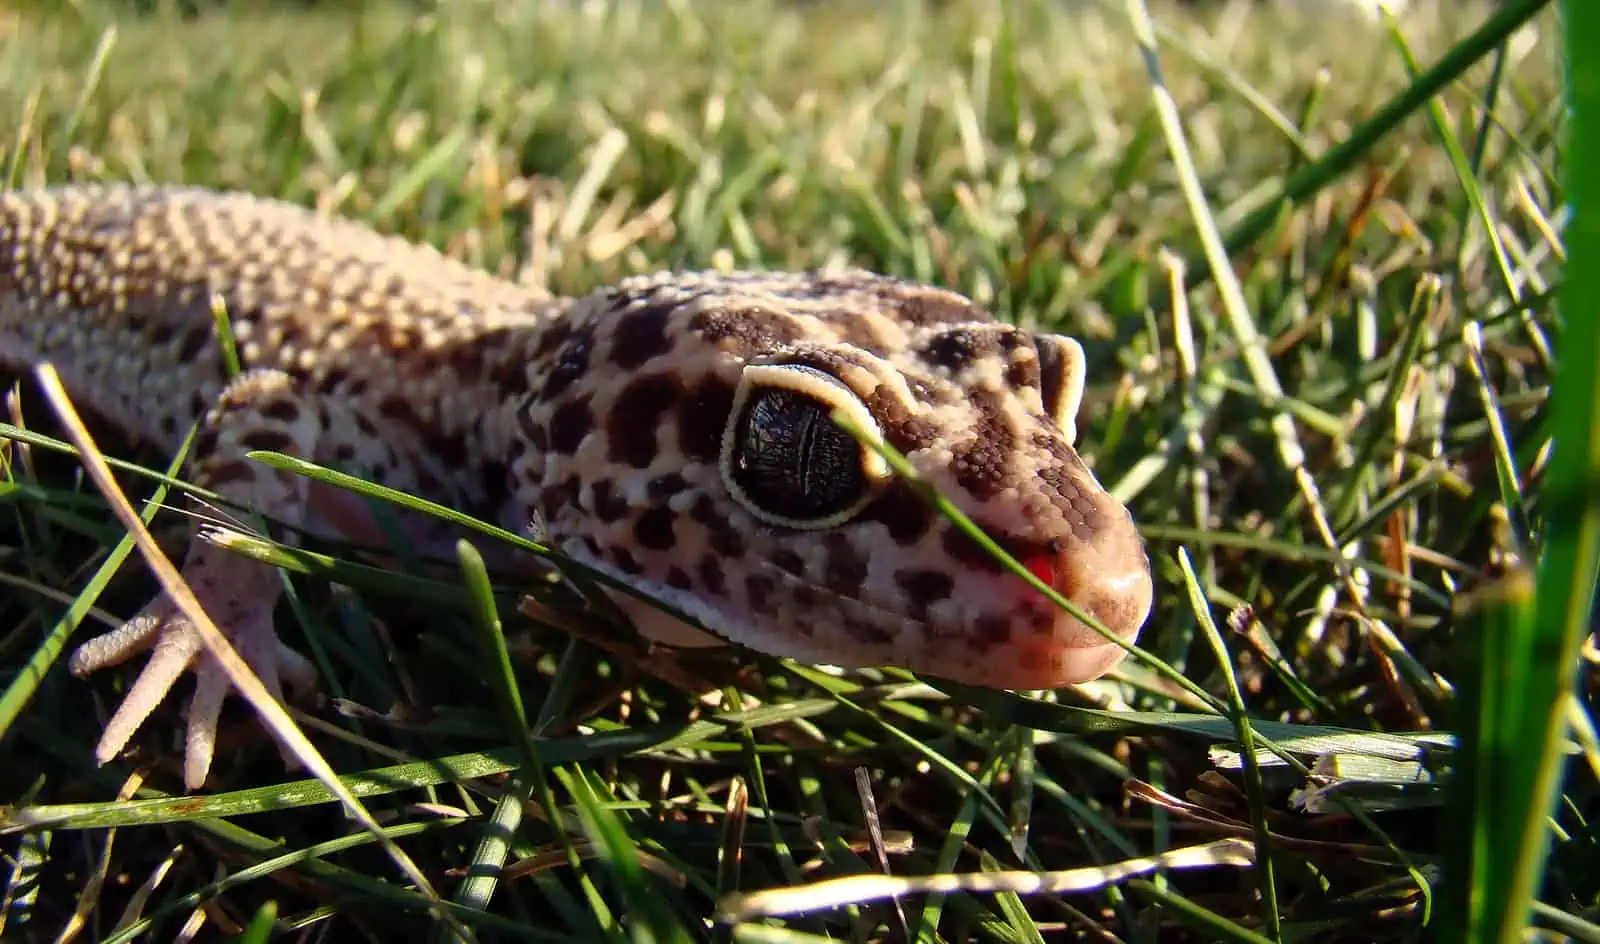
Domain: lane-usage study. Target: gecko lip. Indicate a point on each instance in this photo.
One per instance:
(1109, 580)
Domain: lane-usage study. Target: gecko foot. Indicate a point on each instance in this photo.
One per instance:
(239, 595)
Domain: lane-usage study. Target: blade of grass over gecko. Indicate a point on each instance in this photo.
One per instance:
(167, 479)
(360, 486)
(908, 473)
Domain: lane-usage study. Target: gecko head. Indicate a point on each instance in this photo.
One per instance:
(691, 450)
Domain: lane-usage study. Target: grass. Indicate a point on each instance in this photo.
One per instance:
(1315, 263)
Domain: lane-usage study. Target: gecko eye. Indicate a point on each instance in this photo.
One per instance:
(783, 457)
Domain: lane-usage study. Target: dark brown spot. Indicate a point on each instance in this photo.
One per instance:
(746, 331)
(494, 477)
(466, 360)
(925, 587)
(636, 417)
(571, 365)
(640, 335)
(868, 633)
(958, 348)
(194, 344)
(156, 333)
(268, 440)
(845, 569)
(286, 411)
(899, 509)
(1071, 488)
(724, 538)
(968, 552)
(702, 415)
(608, 505)
(711, 575)
(1022, 373)
(216, 475)
(760, 590)
(929, 307)
(344, 453)
(789, 562)
(678, 579)
(653, 529)
(400, 411)
(569, 424)
(560, 496)
(1082, 511)
(833, 361)
(992, 630)
(449, 451)
(554, 336)
(901, 429)
(934, 394)
(625, 561)
(982, 464)
(663, 487)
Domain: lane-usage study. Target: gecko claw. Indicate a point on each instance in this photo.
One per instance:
(240, 596)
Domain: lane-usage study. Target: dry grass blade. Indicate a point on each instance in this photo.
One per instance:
(859, 889)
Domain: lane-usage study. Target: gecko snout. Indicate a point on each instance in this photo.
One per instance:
(1108, 578)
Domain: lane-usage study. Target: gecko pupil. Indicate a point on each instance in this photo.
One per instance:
(792, 460)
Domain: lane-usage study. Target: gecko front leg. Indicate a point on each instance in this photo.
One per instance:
(258, 411)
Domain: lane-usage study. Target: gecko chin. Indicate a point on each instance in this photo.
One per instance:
(983, 626)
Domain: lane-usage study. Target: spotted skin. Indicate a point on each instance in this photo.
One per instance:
(603, 424)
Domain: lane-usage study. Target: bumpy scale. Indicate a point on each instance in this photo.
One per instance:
(672, 430)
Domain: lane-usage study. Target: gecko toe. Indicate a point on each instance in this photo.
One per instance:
(172, 655)
(295, 669)
(205, 709)
(119, 645)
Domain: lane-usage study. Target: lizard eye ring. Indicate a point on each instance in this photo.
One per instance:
(785, 460)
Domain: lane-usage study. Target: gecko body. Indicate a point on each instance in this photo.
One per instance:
(672, 431)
